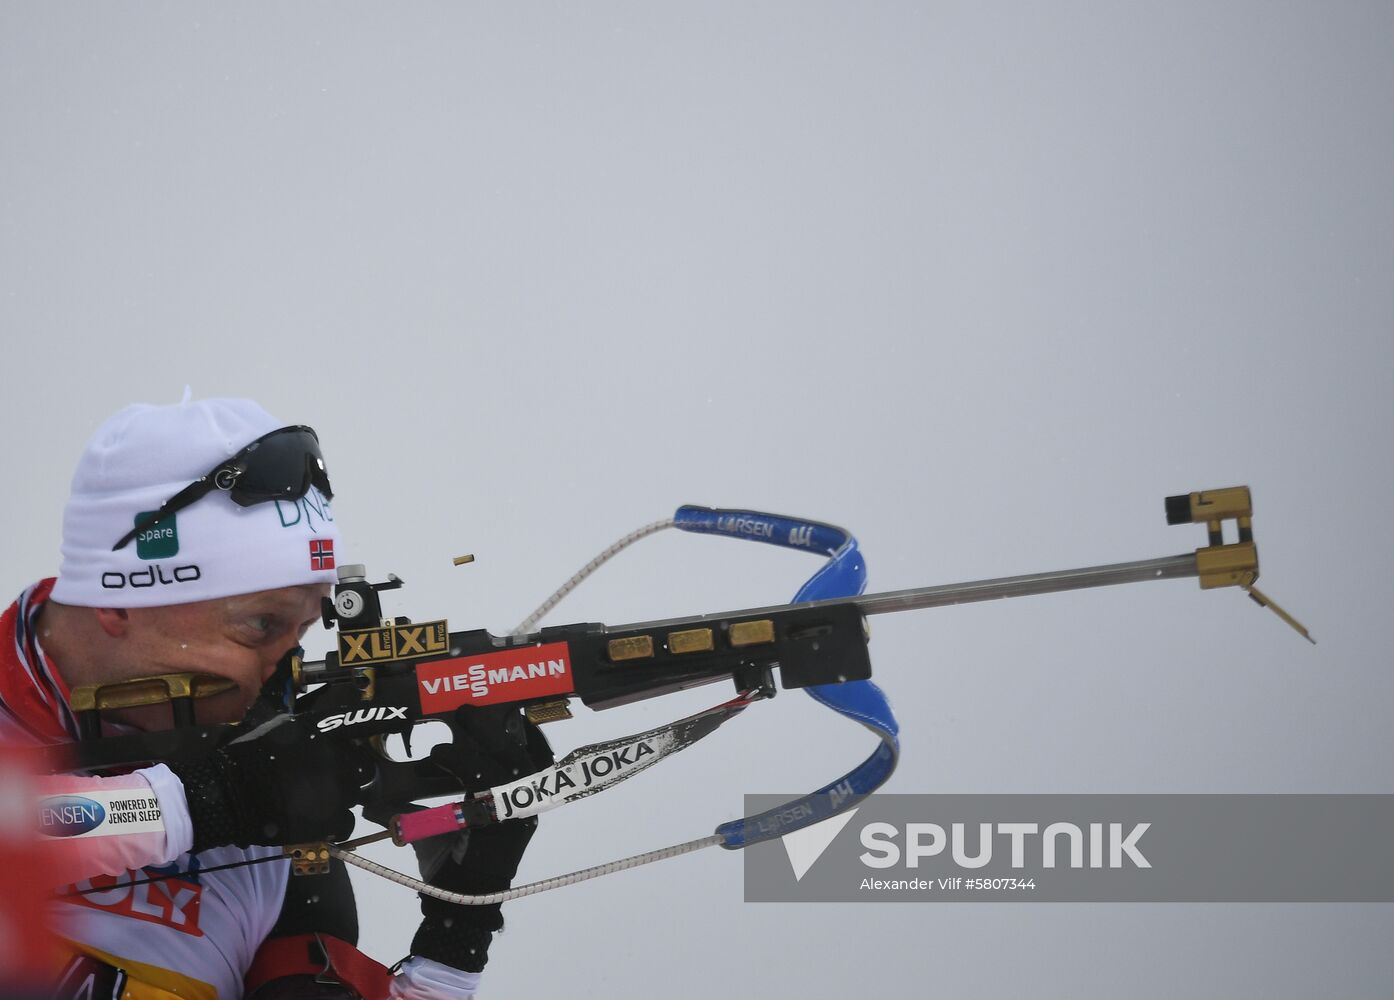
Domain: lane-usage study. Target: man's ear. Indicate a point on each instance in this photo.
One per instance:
(115, 622)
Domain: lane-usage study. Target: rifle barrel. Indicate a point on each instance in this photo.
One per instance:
(1167, 568)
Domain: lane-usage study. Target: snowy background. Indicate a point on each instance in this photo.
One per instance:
(981, 282)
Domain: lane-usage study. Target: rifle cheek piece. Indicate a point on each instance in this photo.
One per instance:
(178, 690)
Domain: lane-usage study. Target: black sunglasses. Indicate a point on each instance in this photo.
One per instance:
(282, 465)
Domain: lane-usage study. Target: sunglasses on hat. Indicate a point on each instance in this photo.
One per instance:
(281, 465)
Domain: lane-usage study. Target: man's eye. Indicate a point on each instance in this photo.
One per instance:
(261, 624)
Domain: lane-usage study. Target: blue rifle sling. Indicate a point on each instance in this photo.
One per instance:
(843, 575)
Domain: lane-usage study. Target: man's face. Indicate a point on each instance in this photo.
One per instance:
(240, 638)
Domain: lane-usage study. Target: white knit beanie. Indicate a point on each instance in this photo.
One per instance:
(213, 548)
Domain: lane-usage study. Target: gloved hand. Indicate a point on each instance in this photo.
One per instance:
(493, 745)
(281, 783)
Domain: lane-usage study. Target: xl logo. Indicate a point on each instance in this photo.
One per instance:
(393, 642)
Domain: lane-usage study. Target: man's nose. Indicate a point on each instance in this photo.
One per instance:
(268, 668)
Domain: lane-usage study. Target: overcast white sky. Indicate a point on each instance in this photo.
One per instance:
(981, 282)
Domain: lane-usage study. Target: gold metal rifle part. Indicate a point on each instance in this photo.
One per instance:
(308, 859)
(178, 690)
(549, 711)
(1221, 563)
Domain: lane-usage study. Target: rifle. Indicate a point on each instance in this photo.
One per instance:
(386, 676)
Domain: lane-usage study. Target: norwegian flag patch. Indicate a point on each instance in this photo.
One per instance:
(321, 553)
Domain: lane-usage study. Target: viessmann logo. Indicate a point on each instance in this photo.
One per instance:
(490, 678)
